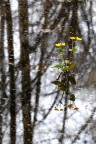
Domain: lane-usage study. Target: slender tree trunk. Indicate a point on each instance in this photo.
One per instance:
(1, 67)
(3, 95)
(74, 21)
(25, 66)
(38, 85)
(11, 73)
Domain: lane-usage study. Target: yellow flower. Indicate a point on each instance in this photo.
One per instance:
(76, 38)
(63, 44)
(79, 39)
(70, 106)
(58, 44)
(72, 38)
(76, 108)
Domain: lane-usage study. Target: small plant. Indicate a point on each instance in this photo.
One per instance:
(66, 66)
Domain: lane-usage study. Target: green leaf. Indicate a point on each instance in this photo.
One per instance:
(62, 88)
(74, 49)
(56, 82)
(72, 97)
(62, 82)
(72, 80)
(61, 51)
(58, 65)
(73, 65)
(66, 68)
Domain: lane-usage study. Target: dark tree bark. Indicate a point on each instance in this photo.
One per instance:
(25, 68)
(38, 83)
(1, 67)
(11, 73)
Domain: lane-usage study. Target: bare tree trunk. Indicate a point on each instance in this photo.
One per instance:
(11, 73)
(38, 84)
(1, 67)
(25, 68)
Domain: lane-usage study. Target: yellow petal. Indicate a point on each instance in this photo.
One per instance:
(73, 38)
(63, 44)
(58, 44)
(79, 39)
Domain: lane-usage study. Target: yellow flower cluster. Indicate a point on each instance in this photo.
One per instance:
(76, 38)
(64, 44)
(60, 44)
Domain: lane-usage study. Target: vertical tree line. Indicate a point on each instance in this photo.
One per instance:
(8, 20)
(25, 69)
(2, 89)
